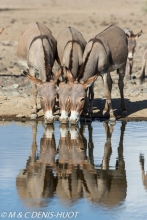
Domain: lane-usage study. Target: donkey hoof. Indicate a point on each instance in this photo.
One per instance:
(33, 116)
(112, 121)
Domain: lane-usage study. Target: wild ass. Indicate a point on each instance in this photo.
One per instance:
(70, 48)
(131, 49)
(105, 52)
(36, 52)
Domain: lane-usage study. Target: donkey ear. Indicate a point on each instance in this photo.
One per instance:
(33, 79)
(89, 81)
(69, 76)
(57, 75)
(128, 35)
(138, 35)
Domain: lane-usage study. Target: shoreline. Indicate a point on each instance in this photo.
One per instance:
(28, 119)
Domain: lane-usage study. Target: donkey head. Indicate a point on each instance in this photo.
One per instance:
(64, 101)
(47, 95)
(77, 96)
(64, 96)
(131, 42)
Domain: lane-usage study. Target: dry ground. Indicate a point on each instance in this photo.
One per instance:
(89, 17)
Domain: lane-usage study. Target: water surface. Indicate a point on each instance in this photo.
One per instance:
(92, 171)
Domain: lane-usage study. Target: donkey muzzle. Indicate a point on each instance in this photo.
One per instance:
(64, 117)
(74, 117)
(48, 117)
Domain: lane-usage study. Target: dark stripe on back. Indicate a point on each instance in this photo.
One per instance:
(95, 39)
(74, 41)
(81, 71)
(38, 37)
(99, 41)
(83, 66)
(47, 67)
(71, 52)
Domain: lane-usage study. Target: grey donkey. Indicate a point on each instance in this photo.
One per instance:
(36, 53)
(70, 49)
(131, 49)
(105, 52)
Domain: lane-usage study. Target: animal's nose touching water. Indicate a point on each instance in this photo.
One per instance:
(70, 49)
(79, 65)
(36, 52)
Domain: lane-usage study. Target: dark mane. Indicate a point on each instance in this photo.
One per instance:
(72, 41)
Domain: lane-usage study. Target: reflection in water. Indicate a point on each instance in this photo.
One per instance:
(73, 175)
(37, 180)
(144, 174)
(70, 164)
(104, 185)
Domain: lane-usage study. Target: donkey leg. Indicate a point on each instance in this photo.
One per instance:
(34, 101)
(86, 106)
(121, 72)
(142, 75)
(128, 71)
(90, 144)
(120, 164)
(109, 81)
(108, 87)
(107, 147)
(91, 97)
(34, 144)
(131, 67)
(87, 110)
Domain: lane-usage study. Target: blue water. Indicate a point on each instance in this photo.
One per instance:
(111, 189)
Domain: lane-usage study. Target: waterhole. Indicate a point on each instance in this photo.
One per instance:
(89, 171)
